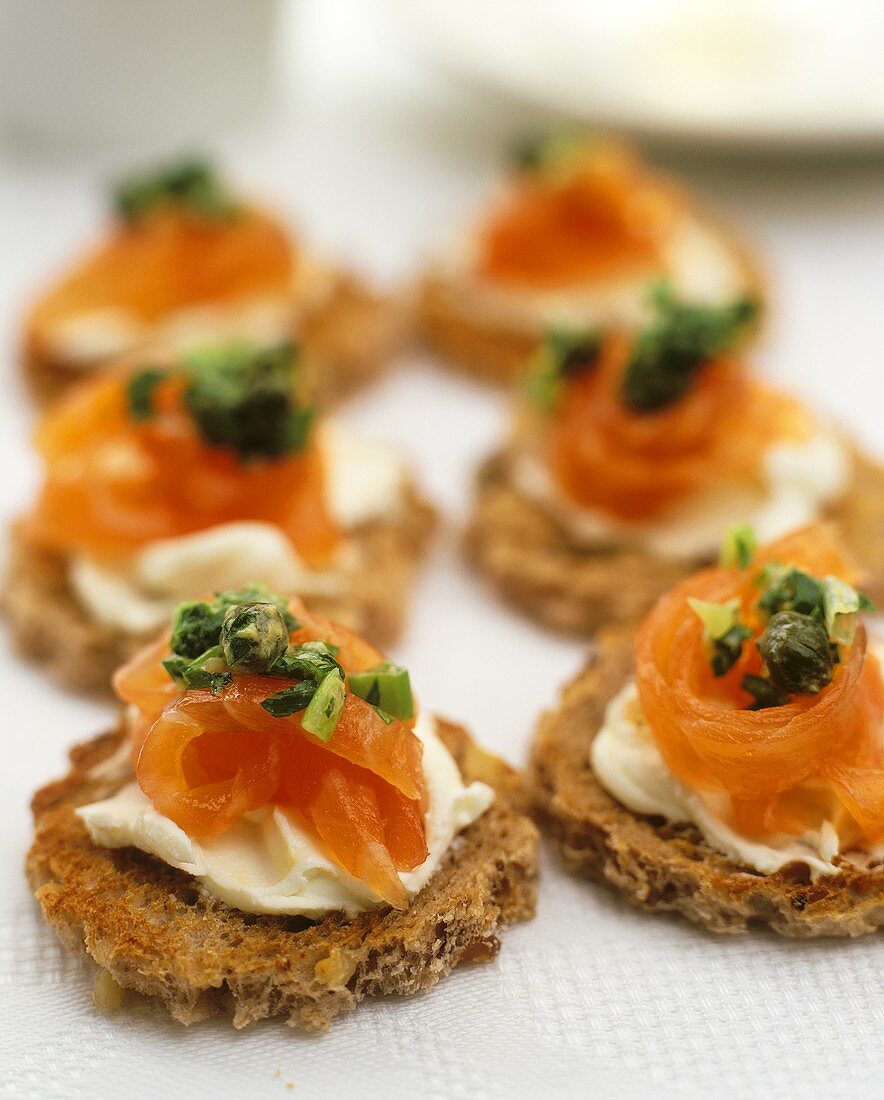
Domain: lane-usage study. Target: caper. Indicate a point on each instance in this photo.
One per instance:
(253, 635)
(796, 653)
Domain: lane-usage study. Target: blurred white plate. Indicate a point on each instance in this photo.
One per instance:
(771, 73)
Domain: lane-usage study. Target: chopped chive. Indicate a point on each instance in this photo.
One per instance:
(387, 687)
(140, 392)
(739, 546)
(324, 709)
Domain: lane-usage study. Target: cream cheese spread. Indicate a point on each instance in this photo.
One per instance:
(797, 481)
(698, 261)
(93, 337)
(629, 765)
(366, 480)
(267, 863)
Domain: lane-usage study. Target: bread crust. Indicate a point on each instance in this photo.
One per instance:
(49, 624)
(668, 868)
(157, 932)
(533, 562)
(493, 352)
(346, 343)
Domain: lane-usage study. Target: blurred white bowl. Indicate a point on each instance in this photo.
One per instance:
(110, 71)
(773, 73)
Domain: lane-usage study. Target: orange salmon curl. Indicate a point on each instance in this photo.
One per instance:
(633, 465)
(788, 768)
(113, 484)
(594, 213)
(170, 260)
(204, 760)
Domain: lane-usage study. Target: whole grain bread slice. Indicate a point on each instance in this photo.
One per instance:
(663, 867)
(533, 562)
(155, 931)
(345, 343)
(50, 625)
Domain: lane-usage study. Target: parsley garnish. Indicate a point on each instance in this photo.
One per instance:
(670, 351)
(190, 184)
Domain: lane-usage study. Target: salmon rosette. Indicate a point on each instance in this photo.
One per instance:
(656, 437)
(185, 261)
(161, 451)
(577, 236)
(268, 713)
(175, 474)
(762, 692)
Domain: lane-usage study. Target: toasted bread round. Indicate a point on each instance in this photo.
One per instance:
(157, 932)
(533, 561)
(488, 349)
(50, 625)
(346, 343)
(669, 868)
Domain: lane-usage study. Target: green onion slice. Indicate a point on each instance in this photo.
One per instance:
(387, 687)
(324, 709)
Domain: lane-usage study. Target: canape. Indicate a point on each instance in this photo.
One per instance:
(581, 231)
(726, 761)
(276, 828)
(167, 477)
(186, 262)
(632, 451)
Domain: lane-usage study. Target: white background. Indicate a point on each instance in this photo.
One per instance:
(375, 156)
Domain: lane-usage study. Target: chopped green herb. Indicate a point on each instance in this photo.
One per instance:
(290, 700)
(196, 624)
(542, 153)
(191, 184)
(722, 630)
(739, 546)
(244, 398)
(562, 355)
(196, 627)
(763, 692)
(140, 391)
(841, 605)
(670, 351)
(796, 653)
(305, 662)
(789, 589)
(717, 618)
(253, 635)
(324, 709)
(175, 666)
(387, 687)
(209, 670)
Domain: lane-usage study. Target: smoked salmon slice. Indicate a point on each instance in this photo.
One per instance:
(170, 260)
(205, 759)
(634, 465)
(113, 484)
(597, 215)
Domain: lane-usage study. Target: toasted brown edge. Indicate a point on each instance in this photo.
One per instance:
(347, 343)
(496, 353)
(668, 868)
(157, 932)
(533, 563)
(48, 624)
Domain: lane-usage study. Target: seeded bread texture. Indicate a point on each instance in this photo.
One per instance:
(346, 343)
(533, 562)
(48, 624)
(669, 868)
(155, 931)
